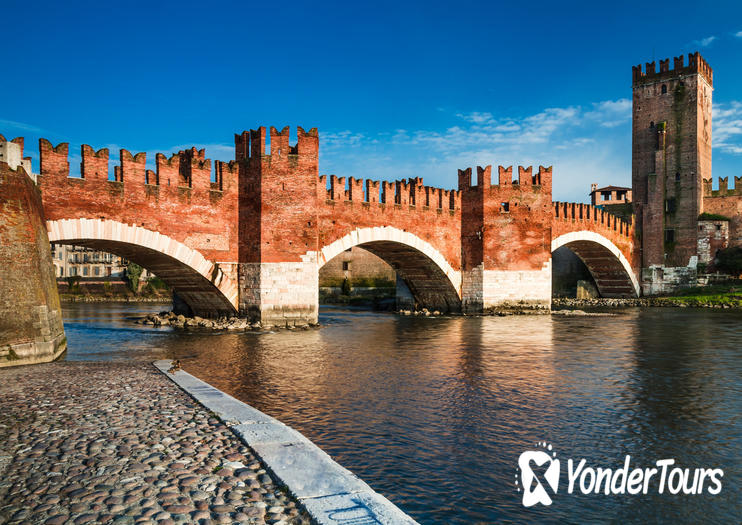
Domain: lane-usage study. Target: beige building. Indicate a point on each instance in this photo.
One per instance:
(609, 195)
(72, 261)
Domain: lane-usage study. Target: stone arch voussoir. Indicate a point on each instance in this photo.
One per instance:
(206, 281)
(380, 240)
(595, 249)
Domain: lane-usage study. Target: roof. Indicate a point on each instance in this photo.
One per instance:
(610, 188)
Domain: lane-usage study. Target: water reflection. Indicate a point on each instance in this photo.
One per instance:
(435, 412)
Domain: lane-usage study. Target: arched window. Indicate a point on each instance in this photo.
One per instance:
(664, 88)
(677, 175)
(651, 124)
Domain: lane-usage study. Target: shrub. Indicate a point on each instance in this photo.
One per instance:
(729, 260)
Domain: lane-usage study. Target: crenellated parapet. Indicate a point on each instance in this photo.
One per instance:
(574, 212)
(185, 169)
(724, 189)
(404, 193)
(696, 65)
(251, 145)
(11, 153)
(526, 181)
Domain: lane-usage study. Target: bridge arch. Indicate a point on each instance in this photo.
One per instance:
(426, 272)
(200, 283)
(609, 267)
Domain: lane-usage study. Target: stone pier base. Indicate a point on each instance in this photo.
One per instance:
(280, 294)
(485, 291)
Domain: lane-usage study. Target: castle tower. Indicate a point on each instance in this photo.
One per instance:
(671, 155)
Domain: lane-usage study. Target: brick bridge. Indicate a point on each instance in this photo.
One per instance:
(251, 237)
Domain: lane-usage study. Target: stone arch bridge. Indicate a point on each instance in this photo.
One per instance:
(250, 235)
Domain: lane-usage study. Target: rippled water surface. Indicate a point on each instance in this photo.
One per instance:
(433, 413)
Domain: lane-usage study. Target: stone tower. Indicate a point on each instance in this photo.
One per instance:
(671, 155)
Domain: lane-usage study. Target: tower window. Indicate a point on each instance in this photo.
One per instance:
(651, 124)
(664, 88)
(677, 175)
(671, 205)
(669, 235)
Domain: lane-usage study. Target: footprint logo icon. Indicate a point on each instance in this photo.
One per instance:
(538, 469)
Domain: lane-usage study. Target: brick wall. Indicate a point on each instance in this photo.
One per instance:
(31, 328)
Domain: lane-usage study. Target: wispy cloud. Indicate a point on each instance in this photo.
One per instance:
(580, 141)
(727, 127)
(738, 34)
(12, 124)
(704, 42)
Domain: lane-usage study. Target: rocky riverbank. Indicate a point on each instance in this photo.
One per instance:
(120, 443)
(238, 324)
(72, 298)
(676, 302)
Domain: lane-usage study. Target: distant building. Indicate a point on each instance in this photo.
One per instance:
(609, 195)
(360, 267)
(72, 261)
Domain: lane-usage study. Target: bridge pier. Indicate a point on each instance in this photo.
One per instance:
(280, 294)
(486, 290)
(31, 328)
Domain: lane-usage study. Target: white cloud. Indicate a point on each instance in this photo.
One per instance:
(583, 144)
(19, 125)
(738, 34)
(704, 42)
(727, 127)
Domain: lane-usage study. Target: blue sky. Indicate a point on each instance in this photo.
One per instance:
(396, 89)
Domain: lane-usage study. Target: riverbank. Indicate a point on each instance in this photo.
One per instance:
(74, 298)
(721, 297)
(120, 443)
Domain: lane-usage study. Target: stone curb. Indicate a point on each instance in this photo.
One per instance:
(330, 493)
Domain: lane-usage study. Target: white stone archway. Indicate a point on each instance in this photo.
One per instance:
(195, 278)
(390, 234)
(575, 238)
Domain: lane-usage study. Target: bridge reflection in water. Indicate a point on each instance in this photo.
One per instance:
(434, 413)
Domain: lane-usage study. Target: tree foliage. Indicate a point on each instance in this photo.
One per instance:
(133, 272)
(729, 260)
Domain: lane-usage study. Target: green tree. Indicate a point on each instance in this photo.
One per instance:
(729, 260)
(133, 272)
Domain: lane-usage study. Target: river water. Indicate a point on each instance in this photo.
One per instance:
(434, 413)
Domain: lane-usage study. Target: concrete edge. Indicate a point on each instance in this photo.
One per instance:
(330, 493)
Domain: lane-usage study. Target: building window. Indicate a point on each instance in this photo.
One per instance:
(96, 271)
(85, 271)
(606, 195)
(505, 206)
(346, 265)
(677, 176)
(664, 88)
(718, 227)
(669, 235)
(670, 205)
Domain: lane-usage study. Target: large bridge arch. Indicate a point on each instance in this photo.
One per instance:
(197, 281)
(609, 267)
(430, 277)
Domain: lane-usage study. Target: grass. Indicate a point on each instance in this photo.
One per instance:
(721, 295)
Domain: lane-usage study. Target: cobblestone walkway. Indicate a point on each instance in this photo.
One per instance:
(120, 443)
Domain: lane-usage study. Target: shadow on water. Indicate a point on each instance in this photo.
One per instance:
(434, 412)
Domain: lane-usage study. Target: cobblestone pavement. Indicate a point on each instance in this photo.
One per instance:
(120, 443)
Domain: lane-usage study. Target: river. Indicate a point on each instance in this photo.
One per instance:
(434, 412)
